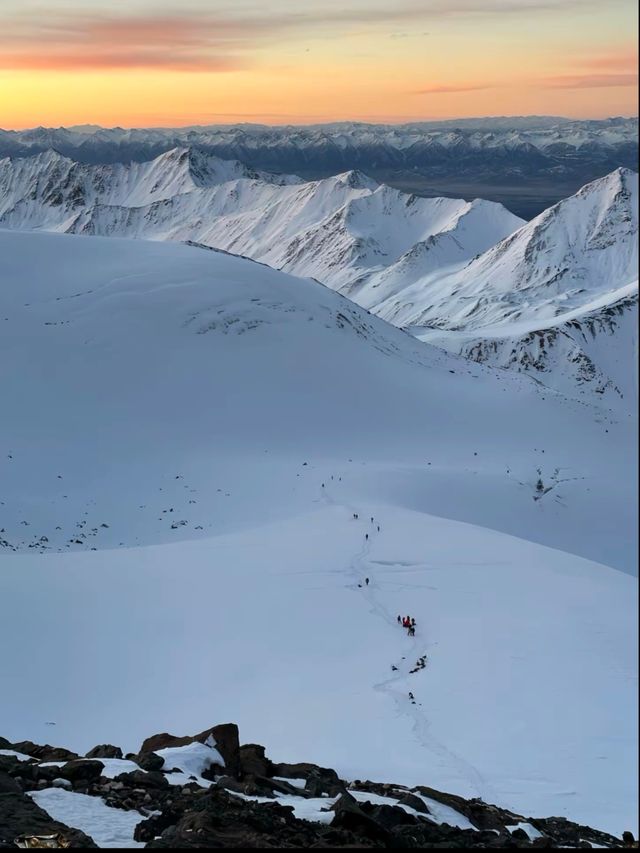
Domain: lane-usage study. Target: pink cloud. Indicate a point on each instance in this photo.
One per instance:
(589, 81)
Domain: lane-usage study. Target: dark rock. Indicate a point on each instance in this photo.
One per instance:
(414, 803)
(139, 779)
(218, 819)
(104, 750)
(520, 833)
(318, 784)
(388, 816)
(149, 761)
(253, 761)
(225, 737)
(80, 771)
(5, 744)
(44, 774)
(350, 816)
(628, 840)
(8, 784)
(44, 753)
(19, 815)
(303, 770)
(11, 765)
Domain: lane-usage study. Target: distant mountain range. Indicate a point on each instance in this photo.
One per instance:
(524, 162)
(468, 276)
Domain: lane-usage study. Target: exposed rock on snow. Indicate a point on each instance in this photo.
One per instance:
(251, 810)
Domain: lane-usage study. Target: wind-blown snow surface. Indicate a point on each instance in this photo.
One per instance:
(189, 406)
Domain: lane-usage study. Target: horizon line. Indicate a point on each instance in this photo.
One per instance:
(315, 123)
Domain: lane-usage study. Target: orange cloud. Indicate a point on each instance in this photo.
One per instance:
(448, 89)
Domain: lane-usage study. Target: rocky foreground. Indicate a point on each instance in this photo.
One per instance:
(207, 790)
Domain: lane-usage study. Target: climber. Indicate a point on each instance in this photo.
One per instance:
(366, 580)
(411, 631)
(399, 620)
(366, 536)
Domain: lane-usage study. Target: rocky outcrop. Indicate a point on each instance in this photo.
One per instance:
(224, 737)
(346, 814)
(19, 815)
(104, 750)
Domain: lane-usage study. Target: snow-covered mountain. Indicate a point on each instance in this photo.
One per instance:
(243, 449)
(538, 153)
(339, 230)
(576, 251)
(431, 266)
(558, 298)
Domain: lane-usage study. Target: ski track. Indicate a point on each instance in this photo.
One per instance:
(398, 686)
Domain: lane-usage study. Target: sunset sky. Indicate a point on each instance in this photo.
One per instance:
(165, 62)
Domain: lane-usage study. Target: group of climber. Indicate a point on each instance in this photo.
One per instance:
(409, 623)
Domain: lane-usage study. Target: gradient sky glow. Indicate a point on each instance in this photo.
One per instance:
(181, 62)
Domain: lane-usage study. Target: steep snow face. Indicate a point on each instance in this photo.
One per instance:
(339, 230)
(583, 248)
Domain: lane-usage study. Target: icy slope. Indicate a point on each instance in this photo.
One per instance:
(230, 420)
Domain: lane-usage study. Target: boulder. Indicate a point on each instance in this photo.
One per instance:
(104, 750)
(253, 761)
(303, 770)
(388, 816)
(82, 770)
(226, 740)
(5, 744)
(140, 779)
(44, 753)
(149, 761)
(19, 815)
(414, 802)
(349, 816)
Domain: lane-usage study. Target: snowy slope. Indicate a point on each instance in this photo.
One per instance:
(581, 248)
(339, 230)
(210, 426)
(589, 353)
(427, 265)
